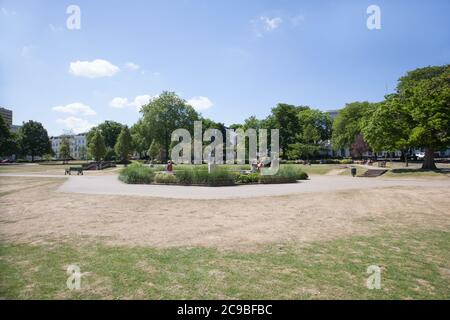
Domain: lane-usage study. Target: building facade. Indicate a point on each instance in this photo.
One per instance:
(77, 143)
(7, 116)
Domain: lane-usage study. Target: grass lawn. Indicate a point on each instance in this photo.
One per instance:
(418, 173)
(415, 264)
(315, 168)
(42, 168)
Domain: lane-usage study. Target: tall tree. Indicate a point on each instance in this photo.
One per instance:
(124, 145)
(64, 149)
(34, 140)
(97, 146)
(153, 151)
(110, 131)
(8, 141)
(388, 127)
(314, 128)
(284, 118)
(165, 114)
(425, 94)
(139, 139)
(348, 124)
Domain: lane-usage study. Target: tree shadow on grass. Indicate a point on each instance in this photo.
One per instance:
(444, 171)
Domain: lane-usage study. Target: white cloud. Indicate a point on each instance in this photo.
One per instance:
(76, 125)
(264, 24)
(7, 12)
(138, 102)
(119, 103)
(200, 103)
(93, 69)
(132, 66)
(271, 23)
(76, 108)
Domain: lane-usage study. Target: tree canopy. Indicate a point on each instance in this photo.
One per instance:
(163, 115)
(348, 124)
(64, 149)
(96, 146)
(110, 131)
(417, 115)
(8, 141)
(124, 145)
(34, 140)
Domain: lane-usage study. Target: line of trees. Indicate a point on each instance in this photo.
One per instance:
(31, 140)
(417, 115)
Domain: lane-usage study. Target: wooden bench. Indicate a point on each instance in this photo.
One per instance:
(68, 171)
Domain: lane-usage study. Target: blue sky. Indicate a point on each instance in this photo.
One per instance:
(231, 59)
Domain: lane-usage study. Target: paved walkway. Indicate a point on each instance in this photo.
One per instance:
(110, 185)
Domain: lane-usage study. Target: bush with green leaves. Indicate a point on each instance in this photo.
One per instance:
(292, 171)
(346, 161)
(221, 177)
(248, 178)
(136, 173)
(286, 174)
(165, 178)
(192, 174)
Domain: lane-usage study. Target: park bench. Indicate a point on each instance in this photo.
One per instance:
(68, 171)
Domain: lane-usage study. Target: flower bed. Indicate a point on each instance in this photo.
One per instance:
(136, 173)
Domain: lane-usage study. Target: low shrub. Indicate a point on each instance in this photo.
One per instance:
(346, 161)
(286, 174)
(136, 173)
(274, 179)
(185, 176)
(248, 178)
(221, 177)
(165, 178)
(192, 174)
(293, 172)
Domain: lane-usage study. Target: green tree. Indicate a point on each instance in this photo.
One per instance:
(153, 151)
(97, 146)
(8, 141)
(34, 140)
(284, 118)
(348, 124)
(124, 145)
(110, 131)
(165, 114)
(388, 127)
(425, 94)
(314, 127)
(64, 149)
(139, 139)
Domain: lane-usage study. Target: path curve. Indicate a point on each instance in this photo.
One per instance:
(110, 185)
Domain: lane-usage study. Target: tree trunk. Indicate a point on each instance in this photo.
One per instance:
(405, 158)
(428, 161)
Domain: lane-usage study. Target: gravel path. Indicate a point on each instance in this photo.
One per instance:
(110, 185)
